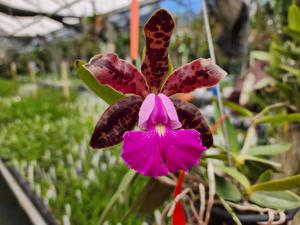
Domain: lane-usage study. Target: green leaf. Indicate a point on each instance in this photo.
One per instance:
(269, 150)
(282, 51)
(292, 33)
(265, 176)
(293, 48)
(290, 70)
(260, 55)
(268, 162)
(221, 156)
(276, 199)
(294, 18)
(234, 173)
(231, 131)
(275, 56)
(104, 92)
(253, 170)
(264, 82)
(287, 183)
(170, 70)
(232, 136)
(227, 190)
(292, 117)
(217, 113)
(171, 66)
(153, 195)
(230, 211)
(237, 108)
(125, 184)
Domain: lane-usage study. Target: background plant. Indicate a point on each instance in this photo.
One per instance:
(284, 65)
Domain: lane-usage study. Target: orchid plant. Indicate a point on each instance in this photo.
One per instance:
(173, 133)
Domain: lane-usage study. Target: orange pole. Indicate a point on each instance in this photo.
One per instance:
(134, 29)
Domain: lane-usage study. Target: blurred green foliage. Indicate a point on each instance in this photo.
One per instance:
(47, 140)
(8, 87)
(284, 65)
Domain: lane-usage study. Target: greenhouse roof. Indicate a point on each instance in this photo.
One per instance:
(27, 26)
(39, 17)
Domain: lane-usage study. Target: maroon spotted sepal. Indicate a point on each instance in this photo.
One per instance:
(158, 31)
(199, 73)
(117, 73)
(118, 118)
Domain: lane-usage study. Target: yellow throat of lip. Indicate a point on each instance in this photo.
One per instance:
(160, 129)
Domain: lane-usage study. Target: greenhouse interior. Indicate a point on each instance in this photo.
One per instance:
(149, 112)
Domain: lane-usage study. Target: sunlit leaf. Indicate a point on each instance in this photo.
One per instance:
(269, 150)
(260, 55)
(292, 117)
(294, 17)
(287, 183)
(104, 92)
(276, 199)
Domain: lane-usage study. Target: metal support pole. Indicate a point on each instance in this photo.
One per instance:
(219, 94)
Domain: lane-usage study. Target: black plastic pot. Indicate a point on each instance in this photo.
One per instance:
(221, 216)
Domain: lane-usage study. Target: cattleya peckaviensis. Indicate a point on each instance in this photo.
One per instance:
(172, 133)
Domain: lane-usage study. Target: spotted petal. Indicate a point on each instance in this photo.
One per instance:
(118, 118)
(158, 31)
(191, 118)
(117, 73)
(199, 73)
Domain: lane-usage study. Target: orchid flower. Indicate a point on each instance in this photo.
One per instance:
(173, 134)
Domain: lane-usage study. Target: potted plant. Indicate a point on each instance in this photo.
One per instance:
(234, 177)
